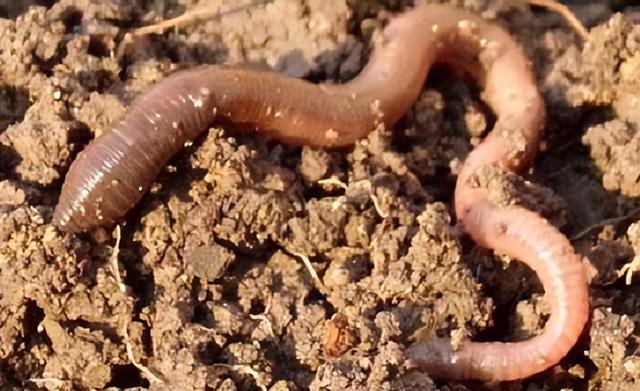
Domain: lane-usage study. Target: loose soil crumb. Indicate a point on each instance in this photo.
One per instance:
(611, 338)
(207, 288)
(615, 148)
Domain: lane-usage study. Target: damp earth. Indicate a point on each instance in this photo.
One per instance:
(252, 265)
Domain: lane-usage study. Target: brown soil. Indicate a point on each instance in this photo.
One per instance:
(207, 288)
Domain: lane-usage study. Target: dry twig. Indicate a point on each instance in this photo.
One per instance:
(565, 13)
(604, 223)
(189, 17)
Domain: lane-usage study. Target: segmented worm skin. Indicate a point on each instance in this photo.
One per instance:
(118, 167)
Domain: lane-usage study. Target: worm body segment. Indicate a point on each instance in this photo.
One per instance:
(118, 167)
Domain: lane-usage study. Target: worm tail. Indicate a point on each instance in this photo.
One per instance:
(115, 170)
(118, 167)
(528, 237)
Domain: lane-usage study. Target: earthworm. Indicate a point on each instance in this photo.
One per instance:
(118, 167)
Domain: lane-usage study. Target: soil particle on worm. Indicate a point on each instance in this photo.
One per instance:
(209, 287)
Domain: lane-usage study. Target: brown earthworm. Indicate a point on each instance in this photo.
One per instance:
(118, 167)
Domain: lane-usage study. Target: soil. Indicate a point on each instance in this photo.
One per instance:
(207, 285)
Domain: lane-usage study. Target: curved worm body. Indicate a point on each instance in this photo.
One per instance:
(117, 168)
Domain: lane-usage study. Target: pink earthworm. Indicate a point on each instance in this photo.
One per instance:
(110, 176)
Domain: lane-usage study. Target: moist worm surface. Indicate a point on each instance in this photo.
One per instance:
(110, 176)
